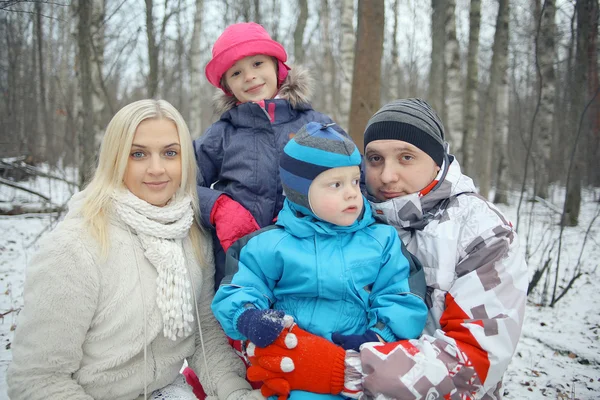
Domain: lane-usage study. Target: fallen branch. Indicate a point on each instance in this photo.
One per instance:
(20, 209)
(17, 186)
(20, 165)
(12, 310)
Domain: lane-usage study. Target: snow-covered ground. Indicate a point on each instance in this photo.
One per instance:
(558, 356)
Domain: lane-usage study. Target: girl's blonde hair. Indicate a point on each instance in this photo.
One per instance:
(112, 162)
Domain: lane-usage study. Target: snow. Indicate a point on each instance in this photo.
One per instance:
(558, 356)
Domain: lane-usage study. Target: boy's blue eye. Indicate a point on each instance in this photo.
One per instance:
(355, 181)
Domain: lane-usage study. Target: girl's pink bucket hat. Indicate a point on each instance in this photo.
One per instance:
(242, 40)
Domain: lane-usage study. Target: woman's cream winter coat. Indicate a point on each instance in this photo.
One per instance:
(84, 324)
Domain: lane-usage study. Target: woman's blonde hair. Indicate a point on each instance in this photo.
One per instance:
(112, 162)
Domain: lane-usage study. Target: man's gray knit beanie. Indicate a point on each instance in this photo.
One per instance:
(412, 121)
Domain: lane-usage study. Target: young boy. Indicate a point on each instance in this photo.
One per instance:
(326, 262)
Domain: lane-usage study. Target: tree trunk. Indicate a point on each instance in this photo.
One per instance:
(471, 104)
(438, 69)
(395, 71)
(501, 195)
(454, 90)
(152, 84)
(545, 53)
(85, 112)
(366, 82)
(196, 73)
(347, 44)
(593, 142)
(257, 17)
(327, 60)
(299, 32)
(587, 26)
(495, 112)
(42, 114)
(100, 98)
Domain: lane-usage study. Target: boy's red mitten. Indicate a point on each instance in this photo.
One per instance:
(231, 221)
(297, 360)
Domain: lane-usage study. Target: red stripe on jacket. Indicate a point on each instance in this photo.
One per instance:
(452, 321)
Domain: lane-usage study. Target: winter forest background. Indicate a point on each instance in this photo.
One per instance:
(515, 81)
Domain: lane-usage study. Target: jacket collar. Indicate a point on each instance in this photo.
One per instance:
(296, 89)
(301, 225)
(414, 211)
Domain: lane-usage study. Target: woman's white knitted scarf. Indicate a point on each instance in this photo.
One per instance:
(161, 231)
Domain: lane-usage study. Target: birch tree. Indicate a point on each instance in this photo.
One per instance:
(366, 80)
(196, 73)
(471, 105)
(545, 56)
(347, 44)
(496, 104)
(453, 91)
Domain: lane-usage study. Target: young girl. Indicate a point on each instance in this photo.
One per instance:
(263, 103)
(119, 294)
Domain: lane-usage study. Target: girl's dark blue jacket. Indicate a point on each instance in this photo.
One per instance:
(239, 154)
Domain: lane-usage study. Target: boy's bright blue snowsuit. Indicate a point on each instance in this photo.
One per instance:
(329, 278)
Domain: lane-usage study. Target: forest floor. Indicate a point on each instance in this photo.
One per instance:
(558, 356)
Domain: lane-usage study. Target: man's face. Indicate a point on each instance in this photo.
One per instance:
(396, 168)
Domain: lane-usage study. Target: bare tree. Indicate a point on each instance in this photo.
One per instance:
(501, 124)
(42, 115)
(496, 103)
(100, 98)
(366, 80)
(327, 57)
(587, 30)
(437, 72)
(545, 54)
(348, 42)
(152, 50)
(85, 111)
(453, 83)
(257, 17)
(471, 106)
(196, 73)
(299, 31)
(395, 71)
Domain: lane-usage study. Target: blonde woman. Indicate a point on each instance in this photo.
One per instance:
(119, 294)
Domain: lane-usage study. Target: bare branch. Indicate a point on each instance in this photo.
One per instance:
(17, 186)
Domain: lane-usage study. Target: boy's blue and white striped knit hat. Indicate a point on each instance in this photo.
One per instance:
(315, 148)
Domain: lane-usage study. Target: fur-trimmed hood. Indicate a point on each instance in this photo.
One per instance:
(297, 89)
